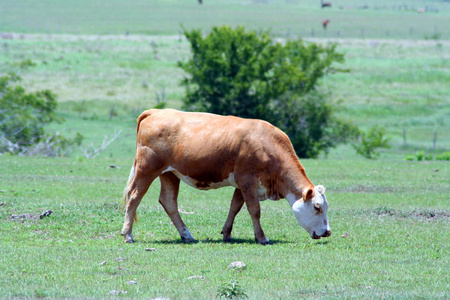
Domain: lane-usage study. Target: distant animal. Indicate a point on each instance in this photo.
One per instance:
(325, 4)
(209, 151)
(325, 23)
(200, 1)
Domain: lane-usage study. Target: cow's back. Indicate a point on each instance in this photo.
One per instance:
(208, 148)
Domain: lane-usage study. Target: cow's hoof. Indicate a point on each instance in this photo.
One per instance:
(228, 240)
(188, 240)
(264, 241)
(127, 238)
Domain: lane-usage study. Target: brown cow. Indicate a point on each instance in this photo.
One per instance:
(208, 151)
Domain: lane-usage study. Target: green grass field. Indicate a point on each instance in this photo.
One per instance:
(396, 212)
(348, 18)
(402, 85)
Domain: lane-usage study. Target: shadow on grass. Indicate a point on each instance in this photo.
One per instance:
(211, 241)
(321, 243)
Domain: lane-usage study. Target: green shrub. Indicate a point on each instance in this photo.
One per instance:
(409, 157)
(422, 156)
(231, 290)
(233, 72)
(419, 155)
(23, 117)
(443, 156)
(371, 141)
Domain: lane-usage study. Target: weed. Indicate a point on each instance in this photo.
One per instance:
(409, 157)
(421, 155)
(231, 290)
(372, 140)
(443, 156)
(39, 293)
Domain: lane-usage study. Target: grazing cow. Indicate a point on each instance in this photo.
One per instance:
(325, 23)
(208, 151)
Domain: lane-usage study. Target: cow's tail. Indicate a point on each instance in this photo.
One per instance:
(144, 115)
(126, 192)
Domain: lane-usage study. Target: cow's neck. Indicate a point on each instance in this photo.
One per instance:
(295, 181)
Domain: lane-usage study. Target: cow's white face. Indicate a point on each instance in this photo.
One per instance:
(312, 214)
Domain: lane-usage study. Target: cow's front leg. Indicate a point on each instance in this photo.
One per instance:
(170, 185)
(236, 204)
(251, 200)
(255, 213)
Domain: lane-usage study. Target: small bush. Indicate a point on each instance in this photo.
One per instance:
(443, 156)
(422, 156)
(231, 290)
(409, 157)
(23, 117)
(371, 141)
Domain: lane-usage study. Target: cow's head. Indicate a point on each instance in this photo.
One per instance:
(311, 212)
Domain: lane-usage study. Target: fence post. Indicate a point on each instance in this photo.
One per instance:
(404, 136)
(435, 140)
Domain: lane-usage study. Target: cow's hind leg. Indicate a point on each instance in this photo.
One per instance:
(137, 187)
(236, 204)
(170, 185)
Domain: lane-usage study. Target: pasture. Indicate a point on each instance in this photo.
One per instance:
(395, 212)
(389, 217)
(391, 19)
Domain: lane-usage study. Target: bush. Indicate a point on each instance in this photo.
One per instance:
(421, 155)
(23, 117)
(443, 156)
(233, 72)
(372, 140)
(409, 157)
(231, 290)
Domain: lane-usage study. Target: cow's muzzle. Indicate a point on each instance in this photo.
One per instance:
(325, 234)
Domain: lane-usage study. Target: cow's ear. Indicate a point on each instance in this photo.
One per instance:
(308, 194)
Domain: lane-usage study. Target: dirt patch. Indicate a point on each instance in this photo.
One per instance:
(367, 188)
(28, 216)
(429, 214)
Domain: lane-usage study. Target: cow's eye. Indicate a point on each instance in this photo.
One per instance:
(317, 207)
